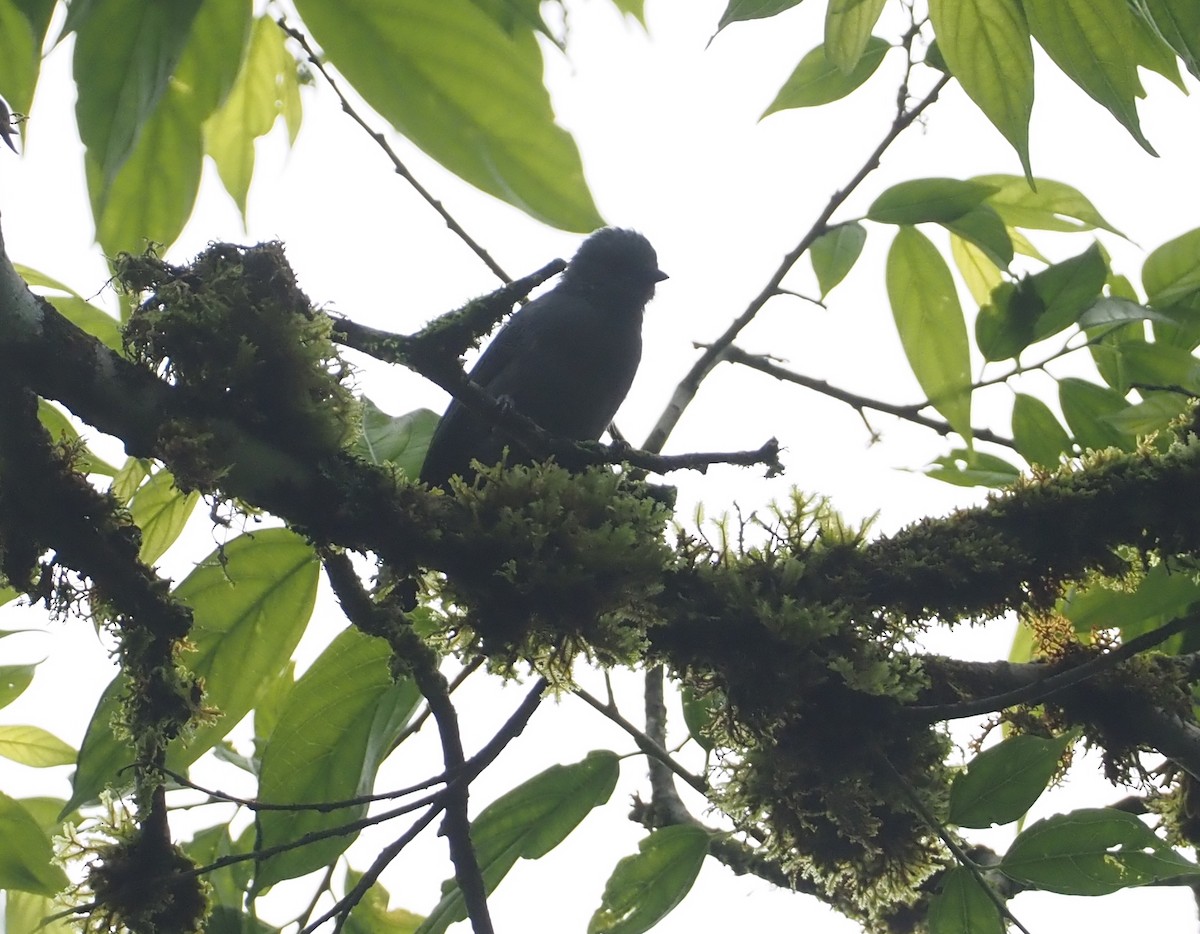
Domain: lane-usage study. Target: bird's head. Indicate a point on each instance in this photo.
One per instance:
(617, 263)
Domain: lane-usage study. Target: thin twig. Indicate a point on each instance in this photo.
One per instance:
(686, 391)
(644, 743)
(399, 167)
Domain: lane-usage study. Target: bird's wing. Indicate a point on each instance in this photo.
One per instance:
(506, 347)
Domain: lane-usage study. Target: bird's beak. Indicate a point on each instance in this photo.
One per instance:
(659, 275)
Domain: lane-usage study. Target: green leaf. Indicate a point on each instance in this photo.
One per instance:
(1153, 414)
(1039, 437)
(1001, 783)
(1067, 289)
(1151, 51)
(645, 888)
(921, 200)
(1090, 41)
(212, 58)
(436, 71)
(699, 712)
(962, 467)
(19, 57)
(741, 10)
(251, 600)
(979, 271)
(1052, 206)
(25, 911)
(1112, 310)
(87, 317)
(983, 227)
(963, 907)
(1087, 408)
(1161, 595)
(33, 746)
(834, 253)
(125, 52)
(1004, 326)
(527, 823)
(25, 852)
(1178, 22)
(14, 679)
(150, 196)
(985, 44)
(130, 477)
(250, 109)
(1094, 851)
(338, 723)
(61, 430)
(161, 510)
(848, 25)
(400, 440)
(930, 321)
(1161, 366)
(817, 80)
(372, 915)
(1171, 273)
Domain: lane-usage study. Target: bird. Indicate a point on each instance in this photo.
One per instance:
(565, 360)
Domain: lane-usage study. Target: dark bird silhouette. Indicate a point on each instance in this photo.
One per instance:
(565, 360)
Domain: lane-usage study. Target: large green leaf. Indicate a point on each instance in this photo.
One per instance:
(19, 58)
(1002, 783)
(978, 270)
(250, 109)
(33, 746)
(1037, 433)
(25, 852)
(527, 823)
(1090, 41)
(930, 321)
(251, 601)
(400, 440)
(963, 907)
(848, 25)
(1161, 595)
(1094, 851)
(337, 724)
(983, 227)
(212, 57)
(985, 44)
(962, 467)
(149, 197)
(125, 52)
(14, 679)
(1171, 273)
(1051, 206)
(1179, 23)
(161, 510)
(1067, 289)
(924, 200)
(468, 94)
(1087, 409)
(816, 80)
(644, 888)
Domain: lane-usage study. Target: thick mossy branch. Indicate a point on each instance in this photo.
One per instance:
(236, 333)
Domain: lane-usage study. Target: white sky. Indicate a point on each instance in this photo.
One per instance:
(671, 145)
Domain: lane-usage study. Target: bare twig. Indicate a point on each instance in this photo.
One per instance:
(399, 167)
(910, 413)
(686, 391)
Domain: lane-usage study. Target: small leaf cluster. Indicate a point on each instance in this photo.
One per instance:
(234, 330)
(568, 563)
